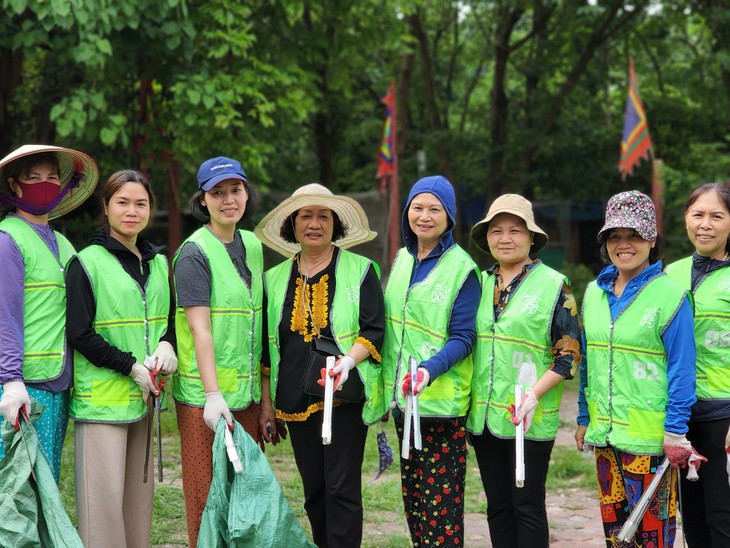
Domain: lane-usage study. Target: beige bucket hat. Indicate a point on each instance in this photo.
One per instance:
(513, 204)
(69, 162)
(348, 210)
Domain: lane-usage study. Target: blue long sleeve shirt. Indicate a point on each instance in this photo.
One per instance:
(462, 330)
(679, 345)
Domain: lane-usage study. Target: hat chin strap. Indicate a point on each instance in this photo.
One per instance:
(33, 209)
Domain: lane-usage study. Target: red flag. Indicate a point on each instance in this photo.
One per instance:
(388, 178)
(635, 140)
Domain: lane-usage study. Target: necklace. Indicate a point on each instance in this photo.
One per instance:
(312, 269)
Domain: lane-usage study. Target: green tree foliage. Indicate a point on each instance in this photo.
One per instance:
(523, 96)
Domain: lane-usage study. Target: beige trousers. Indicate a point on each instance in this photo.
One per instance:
(113, 504)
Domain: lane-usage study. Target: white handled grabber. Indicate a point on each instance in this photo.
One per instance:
(416, 415)
(232, 451)
(329, 389)
(519, 441)
(627, 532)
(412, 417)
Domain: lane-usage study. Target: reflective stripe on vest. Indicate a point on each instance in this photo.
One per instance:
(417, 324)
(44, 300)
(344, 320)
(127, 317)
(711, 301)
(235, 316)
(627, 366)
(520, 338)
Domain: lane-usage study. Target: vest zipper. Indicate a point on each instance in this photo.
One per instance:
(610, 380)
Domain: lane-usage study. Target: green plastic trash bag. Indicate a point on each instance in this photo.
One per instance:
(31, 510)
(246, 509)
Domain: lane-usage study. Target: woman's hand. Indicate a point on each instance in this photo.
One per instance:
(216, 409)
(580, 436)
(267, 422)
(142, 376)
(528, 405)
(416, 385)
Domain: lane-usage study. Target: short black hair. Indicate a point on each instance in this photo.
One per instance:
(656, 253)
(200, 212)
(339, 229)
(723, 195)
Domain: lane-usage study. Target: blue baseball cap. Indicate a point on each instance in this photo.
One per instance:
(218, 169)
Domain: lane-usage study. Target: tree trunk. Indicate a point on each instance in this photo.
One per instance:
(10, 65)
(599, 36)
(508, 18)
(429, 86)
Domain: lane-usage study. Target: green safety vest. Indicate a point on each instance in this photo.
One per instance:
(711, 300)
(627, 390)
(344, 321)
(417, 325)
(44, 300)
(128, 317)
(235, 316)
(520, 337)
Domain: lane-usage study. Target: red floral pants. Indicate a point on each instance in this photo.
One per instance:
(433, 483)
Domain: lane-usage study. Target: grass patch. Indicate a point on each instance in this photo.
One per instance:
(569, 468)
(384, 521)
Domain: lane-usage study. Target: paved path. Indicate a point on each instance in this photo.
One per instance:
(573, 513)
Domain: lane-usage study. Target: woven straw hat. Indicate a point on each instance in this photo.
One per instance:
(513, 204)
(348, 210)
(69, 161)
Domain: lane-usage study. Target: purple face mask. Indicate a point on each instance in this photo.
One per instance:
(41, 200)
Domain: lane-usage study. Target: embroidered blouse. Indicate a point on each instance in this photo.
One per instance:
(305, 314)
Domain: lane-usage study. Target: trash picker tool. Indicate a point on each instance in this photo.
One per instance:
(232, 451)
(412, 415)
(629, 529)
(329, 386)
(23, 414)
(519, 441)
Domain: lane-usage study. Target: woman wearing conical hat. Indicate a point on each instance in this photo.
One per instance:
(38, 183)
(323, 301)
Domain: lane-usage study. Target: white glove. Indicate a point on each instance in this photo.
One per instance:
(14, 397)
(727, 441)
(678, 448)
(141, 375)
(527, 409)
(215, 409)
(341, 371)
(166, 358)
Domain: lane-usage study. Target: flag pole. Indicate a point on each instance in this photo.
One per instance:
(394, 187)
(657, 190)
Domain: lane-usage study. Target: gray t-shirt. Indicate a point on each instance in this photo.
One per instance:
(192, 272)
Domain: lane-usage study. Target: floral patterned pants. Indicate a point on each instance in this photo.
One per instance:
(433, 483)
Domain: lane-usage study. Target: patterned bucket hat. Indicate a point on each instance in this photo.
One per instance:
(632, 209)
